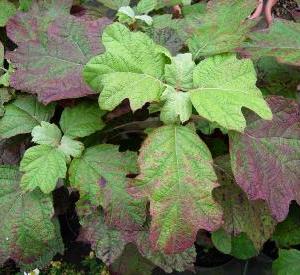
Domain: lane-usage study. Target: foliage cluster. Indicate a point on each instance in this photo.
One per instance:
(166, 127)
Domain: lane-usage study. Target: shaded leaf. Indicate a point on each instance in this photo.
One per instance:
(265, 158)
(179, 262)
(43, 165)
(131, 262)
(100, 175)
(222, 28)
(5, 96)
(287, 233)
(288, 262)
(132, 64)
(22, 115)
(174, 162)
(52, 48)
(29, 236)
(281, 41)
(240, 246)
(240, 214)
(225, 85)
(82, 120)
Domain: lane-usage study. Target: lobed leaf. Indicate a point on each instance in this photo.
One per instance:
(53, 47)
(174, 162)
(225, 85)
(265, 157)
(43, 165)
(47, 134)
(132, 64)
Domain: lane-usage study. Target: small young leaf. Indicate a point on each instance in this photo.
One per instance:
(265, 158)
(29, 235)
(132, 64)
(288, 262)
(81, 120)
(282, 41)
(7, 9)
(179, 73)
(71, 147)
(47, 134)
(22, 115)
(145, 18)
(225, 85)
(240, 214)
(175, 163)
(178, 106)
(53, 47)
(43, 165)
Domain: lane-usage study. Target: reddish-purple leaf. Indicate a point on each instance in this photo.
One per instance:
(265, 158)
(53, 47)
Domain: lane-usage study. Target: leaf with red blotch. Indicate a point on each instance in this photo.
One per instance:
(265, 158)
(53, 47)
(240, 214)
(177, 176)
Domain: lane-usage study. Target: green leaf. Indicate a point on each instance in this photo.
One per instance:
(100, 175)
(71, 147)
(287, 233)
(179, 73)
(82, 120)
(145, 6)
(5, 78)
(29, 235)
(7, 9)
(240, 246)
(5, 96)
(240, 214)
(22, 115)
(43, 165)
(225, 85)
(177, 106)
(25, 5)
(288, 262)
(281, 41)
(222, 29)
(145, 18)
(177, 177)
(114, 4)
(132, 64)
(47, 134)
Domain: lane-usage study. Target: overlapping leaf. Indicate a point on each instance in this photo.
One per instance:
(265, 158)
(52, 48)
(81, 120)
(281, 41)
(7, 9)
(22, 115)
(29, 236)
(225, 85)
(222, 28)
(287, 262)
(176, 175)
(240, 214)
(100, 175)
(132, 64)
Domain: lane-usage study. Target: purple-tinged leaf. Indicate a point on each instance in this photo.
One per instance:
(53, 47)
(265, 158)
